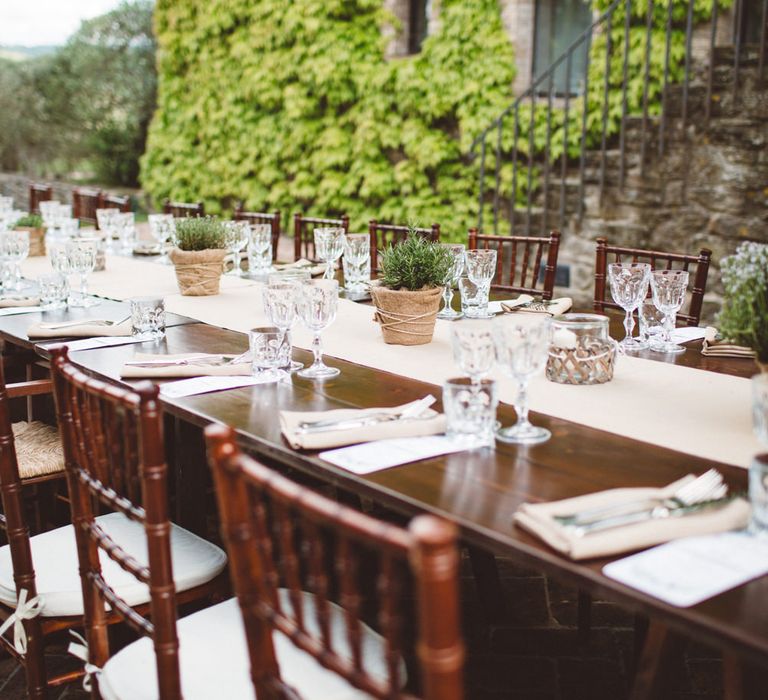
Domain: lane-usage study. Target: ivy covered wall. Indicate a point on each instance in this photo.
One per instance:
(293, 106)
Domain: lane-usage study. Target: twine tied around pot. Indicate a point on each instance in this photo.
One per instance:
(198, 272)
(406, 317)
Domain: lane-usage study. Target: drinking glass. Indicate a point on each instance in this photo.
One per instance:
(236, 239)
(758, 495)
(67, 227)
(57, 252)
(760, 406)
(470, 410)
(473, 348)
(318, 302)
(629, 286)
(147, 317)
(48, 212)
(109, 224)
(481, 267)
(126, 231)
(280, 299)
(651, 322)
(54, 290)
(357, 261)
(259, 250)
(14, 248)
(521, 350)
(668, 288)
(270, 350)
(162, 228)
(452, 278)
(329, 245)
(81, 259)
(474, 299)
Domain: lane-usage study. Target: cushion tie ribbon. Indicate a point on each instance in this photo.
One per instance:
(25, 610)
(81, 652)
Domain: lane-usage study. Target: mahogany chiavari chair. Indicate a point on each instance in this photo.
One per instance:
(132, 559)
(38, 193)
(257, 217)
(606, 254)
(182, 210)
(385, 235)
(115, 201)
(519, 259)
(304, 237)
(293, 552)
(85, 202)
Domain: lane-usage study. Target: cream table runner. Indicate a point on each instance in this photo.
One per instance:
(701, 413)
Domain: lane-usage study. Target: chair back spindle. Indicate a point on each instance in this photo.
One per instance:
(38, 192)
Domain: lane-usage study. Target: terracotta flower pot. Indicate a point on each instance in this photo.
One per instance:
(405, 317)
(36, 240)
(198, 272)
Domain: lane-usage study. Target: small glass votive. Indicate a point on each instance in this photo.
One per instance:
(758, 495)
(148, 318)
(270, 350)
(54, 290)
(760, 406)
(474, 299)
(470, 410)
(651, 322)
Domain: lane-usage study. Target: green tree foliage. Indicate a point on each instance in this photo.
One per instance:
(294, 106)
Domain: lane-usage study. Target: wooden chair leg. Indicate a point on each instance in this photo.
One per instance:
(488, 584)
(34, 663)
(661, 650)
(584, 617)
(733, 677)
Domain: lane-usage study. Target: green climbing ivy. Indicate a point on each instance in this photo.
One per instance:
(294, 106)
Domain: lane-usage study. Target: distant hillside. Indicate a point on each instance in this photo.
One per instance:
(22, 53)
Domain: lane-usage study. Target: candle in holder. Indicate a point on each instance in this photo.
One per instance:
(580, 351)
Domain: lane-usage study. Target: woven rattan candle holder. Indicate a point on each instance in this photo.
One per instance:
(581, 351)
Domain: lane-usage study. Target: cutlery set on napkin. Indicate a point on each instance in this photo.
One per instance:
(715, 346)
(84, 328)
(528, 304)
(145, 365)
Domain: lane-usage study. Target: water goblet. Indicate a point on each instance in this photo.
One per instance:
(81, 260)
(629, 286)
(521, 350)
(237, 234)
(280, 298)
(109, 225)
(668, 288)
(357, 262)
(48, 211)
(470, 410)
(270, 351)
(14, 248)
(451, 279)
(318, 302)
(329, 245)
(481, 267)
(126, 231)
(259, 250)
(162, 229)
(473, 348)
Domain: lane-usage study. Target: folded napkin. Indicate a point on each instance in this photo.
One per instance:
(527, 303)
(429, 422)
(538, 519)
(717, 347)
(86, 329)
(13, 302)
(203, 366)
(301, 264)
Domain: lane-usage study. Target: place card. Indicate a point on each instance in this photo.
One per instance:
(687, 571)
(16, 310)
(205, 385)
(105, 341)
(686, 334)
(370, 457)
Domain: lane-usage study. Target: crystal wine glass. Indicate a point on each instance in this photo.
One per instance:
(126, 229)
(357, 261)
(473, 348)
(280, 299)
(14, 248)
(109, 224)
(81, 259)
(318, 302)
(259, 250)
(457, 253)
(521, 350)
(668, 288)
(629, 286)
(481, 267)
(161, 228)
(329, 245)
(237, 235)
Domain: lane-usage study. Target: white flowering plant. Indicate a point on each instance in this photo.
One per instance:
(744, 316)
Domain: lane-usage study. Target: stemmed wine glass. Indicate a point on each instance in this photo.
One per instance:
(109, 224)
(629, 286)
(126, 229)
(162, 227)
(521, 350)
(481, 267)
(14, 248)
(280, 299)
(237, 235)
(473, 348)
(81, 259)
(452, 278)
(357, 261)
(259, 249)
(318, 302)
(329, 245)
(668, 288)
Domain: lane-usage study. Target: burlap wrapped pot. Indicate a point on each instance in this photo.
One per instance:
(405, 317)
(198, 272)
(36, 240)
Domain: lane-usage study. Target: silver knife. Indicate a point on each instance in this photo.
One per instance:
(412, 411)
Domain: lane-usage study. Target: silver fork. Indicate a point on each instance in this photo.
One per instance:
(83, 322)
(414, 410)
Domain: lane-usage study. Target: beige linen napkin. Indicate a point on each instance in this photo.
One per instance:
(86, 329)
(13, 302)
(713, 347)
(428, 423)
(300, 264)
(538, 519)
(191, 370)
(553, 308)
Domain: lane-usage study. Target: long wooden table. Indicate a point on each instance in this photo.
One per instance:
(479, 490)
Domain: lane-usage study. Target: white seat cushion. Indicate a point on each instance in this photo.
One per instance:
(214, 660)
(54, 554)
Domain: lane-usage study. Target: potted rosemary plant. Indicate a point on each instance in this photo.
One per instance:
(744, 317)
(199, 255)
(34, 224)
(409, 290)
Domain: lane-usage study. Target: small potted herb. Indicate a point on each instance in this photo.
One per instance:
(744, 317)
(409, 291)
(34, 224)
(199, 255)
